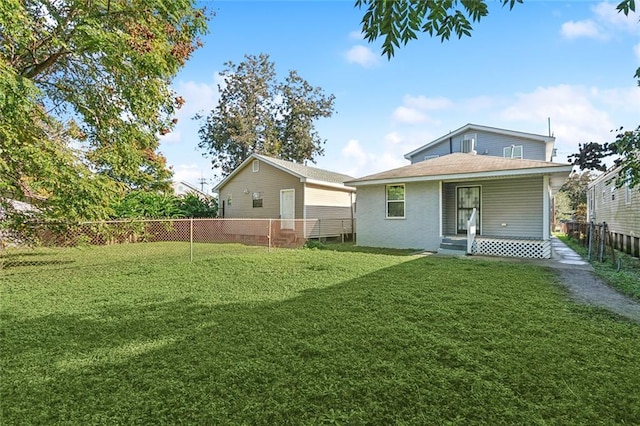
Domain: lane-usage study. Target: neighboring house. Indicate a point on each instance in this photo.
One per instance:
(619, 208)
(428, 204)
(269, 188)
(182, 188)
(484, 140)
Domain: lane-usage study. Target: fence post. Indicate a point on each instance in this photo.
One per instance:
(591, 228)
(269, 237)
(191, 240)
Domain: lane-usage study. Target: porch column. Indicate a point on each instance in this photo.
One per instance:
(546, 207)
(440, 206)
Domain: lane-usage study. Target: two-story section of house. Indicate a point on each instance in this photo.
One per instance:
(479, 190)
(485, 140)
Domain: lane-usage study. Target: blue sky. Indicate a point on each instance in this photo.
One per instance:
(572, 62)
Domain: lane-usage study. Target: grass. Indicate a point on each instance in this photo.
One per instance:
(626, 280)
(244, 336)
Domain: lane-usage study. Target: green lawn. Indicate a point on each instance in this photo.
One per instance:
(247, 336)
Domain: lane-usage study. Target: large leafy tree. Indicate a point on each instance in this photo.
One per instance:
(84, 96)
(257, 113)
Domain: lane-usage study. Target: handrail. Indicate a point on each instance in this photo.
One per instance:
(471, 230)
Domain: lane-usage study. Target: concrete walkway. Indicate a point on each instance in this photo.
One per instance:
(578, 277)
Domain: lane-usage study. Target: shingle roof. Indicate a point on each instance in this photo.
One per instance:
(458, 164)
(305, 171)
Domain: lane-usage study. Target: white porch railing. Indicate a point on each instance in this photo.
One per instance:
(471, 231)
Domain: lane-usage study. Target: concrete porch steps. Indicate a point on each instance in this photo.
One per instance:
(453, 246)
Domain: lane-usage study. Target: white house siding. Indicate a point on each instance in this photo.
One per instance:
(420, 227)
(514, 203)
(619, 209)
(268, 180)
(487, 144)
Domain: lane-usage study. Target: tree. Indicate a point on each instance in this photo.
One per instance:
(258, 114)
(625, 149)
(575, 191)
(84, 96)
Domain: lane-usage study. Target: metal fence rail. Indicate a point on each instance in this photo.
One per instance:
(137, 234)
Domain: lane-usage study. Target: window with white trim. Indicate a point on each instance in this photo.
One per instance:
(513, 151)
(468, 143)
(395, 201)
(257, 199)
(613, 193)
(255, 166)
(627, 188)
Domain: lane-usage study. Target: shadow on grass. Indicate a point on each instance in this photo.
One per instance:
(426, 341)
(352, 248)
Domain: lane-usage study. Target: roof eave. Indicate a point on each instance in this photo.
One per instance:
(467, 176)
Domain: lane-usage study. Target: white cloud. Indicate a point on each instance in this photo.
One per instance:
(363, 162)
(430, 104)
(362, 55)
(605, 22)
(187, 173)
(608, 15)
(403, 114)
(587, 28)
(356, 35)
(574, 112)
(393, 138)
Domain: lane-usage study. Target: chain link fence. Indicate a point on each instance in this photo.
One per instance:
(186, 238)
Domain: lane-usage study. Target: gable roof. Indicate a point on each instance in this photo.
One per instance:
(188, 188)
(463, 166)
(302, 172)
(477, 127)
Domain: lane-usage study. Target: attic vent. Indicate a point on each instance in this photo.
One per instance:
(255, 166)
(468, 143)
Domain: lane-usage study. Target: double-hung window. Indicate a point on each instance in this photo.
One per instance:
(395, 201)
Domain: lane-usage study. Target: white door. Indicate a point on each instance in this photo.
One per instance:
(287, 208)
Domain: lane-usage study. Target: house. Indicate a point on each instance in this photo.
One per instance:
(182, 188)
(619, 208)
(264, 187)
(485, 140)
(453, 198)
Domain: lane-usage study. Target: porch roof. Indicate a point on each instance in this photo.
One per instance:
(464, 166)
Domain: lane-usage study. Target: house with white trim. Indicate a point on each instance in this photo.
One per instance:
(479, 189)
(264, 187)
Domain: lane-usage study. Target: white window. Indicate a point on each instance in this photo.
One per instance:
(513, 151)
(627, 188)
(468, 143)
(255, 166)
(395, 201)
(613, 193)
(229, 199)
(430, 157)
